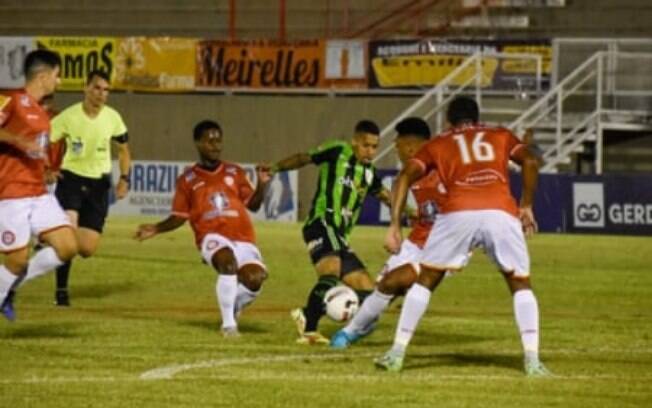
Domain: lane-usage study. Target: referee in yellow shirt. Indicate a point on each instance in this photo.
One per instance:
(88, 129)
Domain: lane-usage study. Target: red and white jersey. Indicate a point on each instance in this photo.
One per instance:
(215, 202)
(429, 194)
(22, 174)
(472, 161)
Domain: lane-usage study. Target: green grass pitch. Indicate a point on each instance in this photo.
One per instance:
(144, 331)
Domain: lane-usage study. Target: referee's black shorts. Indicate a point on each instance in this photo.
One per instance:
(323, 240)
(89, 197)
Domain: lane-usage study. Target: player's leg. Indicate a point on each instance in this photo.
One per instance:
(11, 274)
(251, 275)
(70, 195)
(446, 249)
(324, 245)
(392, 283)
(505, 244)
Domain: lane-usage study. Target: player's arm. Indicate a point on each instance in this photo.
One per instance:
(146, 231)
(529, 163)
(124, 163)
(264, 177)
(22, 143)
(296, 161)
(412, 171)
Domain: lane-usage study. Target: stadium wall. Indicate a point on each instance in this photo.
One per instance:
(257, 128)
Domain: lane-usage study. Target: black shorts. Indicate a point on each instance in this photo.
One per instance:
(87, 196)
(322, 240)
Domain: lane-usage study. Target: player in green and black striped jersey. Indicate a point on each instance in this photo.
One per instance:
(346, 176)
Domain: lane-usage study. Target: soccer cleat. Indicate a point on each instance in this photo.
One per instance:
(299, 319)
(230, 332)
(390, 361)
(61, 298)
(7, 308)
(312, 338)
(342, 340)
(535, 368)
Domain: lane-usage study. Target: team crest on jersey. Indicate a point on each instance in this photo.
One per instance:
(24, 100)
(368, 176)
(8, 237)
(228, 180)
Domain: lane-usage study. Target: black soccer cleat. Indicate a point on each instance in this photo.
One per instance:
(61, 298)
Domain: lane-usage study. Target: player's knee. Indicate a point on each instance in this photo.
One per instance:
(86, 251)
(252, 277)
(397, 282)
(517, 283)
(224, 262)
(430, 278)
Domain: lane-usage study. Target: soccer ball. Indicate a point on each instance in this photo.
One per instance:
(341, 303)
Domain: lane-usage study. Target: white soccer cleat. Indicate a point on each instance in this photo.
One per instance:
(230, 332)
(299, 320)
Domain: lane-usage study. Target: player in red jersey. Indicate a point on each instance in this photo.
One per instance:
(472, 162)
(25, 207)
(401, 269)
(214, 196)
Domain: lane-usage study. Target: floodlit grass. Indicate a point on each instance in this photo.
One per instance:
(138, 307)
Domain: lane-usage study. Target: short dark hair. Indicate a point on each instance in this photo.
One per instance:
(36, 60)
(462, 109)
(97, 73)
(413, 126)
(367, 126)
(203, 126)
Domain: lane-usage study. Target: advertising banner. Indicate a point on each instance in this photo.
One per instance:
(154, 64)
(12, 54)
(609, 204)
(314, 64)
(79, 56)
(152, 186)
(424, 63)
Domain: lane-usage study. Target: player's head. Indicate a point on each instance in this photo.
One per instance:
(366, 137)
(411, 134)
(41, 67)
(207, 135)
(96, 91)
(462, 110)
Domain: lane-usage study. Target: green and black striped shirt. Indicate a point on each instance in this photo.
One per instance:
(343, 184)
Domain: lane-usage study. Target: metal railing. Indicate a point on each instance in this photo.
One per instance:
(468, 78)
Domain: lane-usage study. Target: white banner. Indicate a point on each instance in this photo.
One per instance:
(12, 55)
(153, 184)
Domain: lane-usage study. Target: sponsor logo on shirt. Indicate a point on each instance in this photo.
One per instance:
(8, 237)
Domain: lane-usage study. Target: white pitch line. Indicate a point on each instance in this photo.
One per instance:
(164, 373)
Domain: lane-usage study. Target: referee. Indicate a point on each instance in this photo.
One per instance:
(88, 129)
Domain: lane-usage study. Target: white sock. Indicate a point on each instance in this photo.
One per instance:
(371, 309)
(7, 280)
(414, 306)
(227, 290)
(243, 298)
(526, 312)
(44, 261)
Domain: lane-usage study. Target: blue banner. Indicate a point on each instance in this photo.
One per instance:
(608, 204)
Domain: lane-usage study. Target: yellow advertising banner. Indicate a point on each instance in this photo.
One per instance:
(158, 64)
(79, 56)
(260, 64)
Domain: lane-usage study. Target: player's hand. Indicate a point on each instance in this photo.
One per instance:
(52, 176)
(145, 231)
(393, 239)
(121, 189)
(264, 173)
(526, 215)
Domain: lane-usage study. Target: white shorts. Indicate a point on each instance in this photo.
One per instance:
(244, 252)
(498, 232)
(22, 218)
(408, 254)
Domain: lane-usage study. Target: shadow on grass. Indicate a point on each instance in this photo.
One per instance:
(428, 339)
(101, 290)
(40, 331)
(422, 361)
(213, 325)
